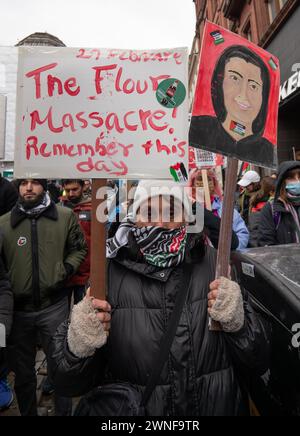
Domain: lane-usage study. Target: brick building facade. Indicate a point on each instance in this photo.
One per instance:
(274, 25)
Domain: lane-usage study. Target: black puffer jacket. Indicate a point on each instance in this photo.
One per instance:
(198, 378)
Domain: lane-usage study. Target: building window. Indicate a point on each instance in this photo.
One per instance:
(274, 8)
(247, 32)
(214, 7)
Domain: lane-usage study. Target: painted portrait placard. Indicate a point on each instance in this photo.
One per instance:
(235, 110)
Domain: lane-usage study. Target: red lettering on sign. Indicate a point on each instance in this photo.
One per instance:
(67, 121)
(181, 145)
(125, 148)
(130, 127)
(31, 144)
(71, 83)
(155, 80)
(36, 74)
(177, 57)
(51, 81)
(161, 147)
(147, 146)
(157, 115)
(98, 77)
(101, 166)
(96, 116)
(35, 119)
(83, 121)
(112, 122)
(88, 54)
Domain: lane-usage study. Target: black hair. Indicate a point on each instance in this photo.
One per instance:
(68, 181)
(239, 51)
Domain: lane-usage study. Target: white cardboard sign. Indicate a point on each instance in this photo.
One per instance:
(101, 113)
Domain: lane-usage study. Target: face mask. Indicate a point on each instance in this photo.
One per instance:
(293, 188)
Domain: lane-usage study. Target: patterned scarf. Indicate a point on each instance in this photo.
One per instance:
(160, 247)
(37, 210)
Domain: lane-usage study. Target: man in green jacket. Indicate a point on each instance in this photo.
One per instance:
(42, 247)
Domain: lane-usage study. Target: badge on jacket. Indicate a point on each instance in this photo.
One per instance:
(22, 241)
(85, 216)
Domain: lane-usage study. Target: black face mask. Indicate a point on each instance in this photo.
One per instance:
(30, 204)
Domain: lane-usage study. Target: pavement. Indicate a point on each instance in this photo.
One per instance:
(45, 402)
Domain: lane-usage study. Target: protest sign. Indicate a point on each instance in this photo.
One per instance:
(199, 158)
(235, 110)
(98, 113)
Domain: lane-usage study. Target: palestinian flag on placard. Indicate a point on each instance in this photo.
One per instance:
(237, 128)
(218, 37)
(245, 167)
(273, 64)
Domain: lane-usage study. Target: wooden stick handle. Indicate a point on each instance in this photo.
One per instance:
(98, 244)
(224, 247)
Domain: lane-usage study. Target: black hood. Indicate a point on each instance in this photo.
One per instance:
(283, 169)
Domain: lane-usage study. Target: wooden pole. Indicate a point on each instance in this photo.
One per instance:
(206, 189)
(98, 242)
(224, 248)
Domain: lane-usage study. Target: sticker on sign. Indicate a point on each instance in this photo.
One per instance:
(248, 269)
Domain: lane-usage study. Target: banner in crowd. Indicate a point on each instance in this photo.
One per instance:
(235, 110)
(199, 158)
(101, 113)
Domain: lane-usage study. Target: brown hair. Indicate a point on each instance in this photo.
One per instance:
(268, 185)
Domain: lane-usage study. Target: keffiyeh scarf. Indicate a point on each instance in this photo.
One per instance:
(160, 247)
(37, 210)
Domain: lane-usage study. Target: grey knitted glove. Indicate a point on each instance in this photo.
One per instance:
(228, 309)
(86, 332)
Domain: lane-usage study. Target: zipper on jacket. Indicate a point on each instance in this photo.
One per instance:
(35, 265)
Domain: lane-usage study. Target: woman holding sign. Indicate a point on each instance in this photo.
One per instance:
(153, 261)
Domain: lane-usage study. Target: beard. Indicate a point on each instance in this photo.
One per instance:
(30, 204)
(75, 200)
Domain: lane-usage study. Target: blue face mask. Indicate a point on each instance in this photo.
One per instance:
(293, 188)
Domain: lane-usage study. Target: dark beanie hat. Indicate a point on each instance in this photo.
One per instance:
(42, 182)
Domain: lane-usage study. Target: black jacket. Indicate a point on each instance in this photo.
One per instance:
(8, 196)
(6, 309)
(40, 253)
(6, 296)
(277, 225)
(198, 378)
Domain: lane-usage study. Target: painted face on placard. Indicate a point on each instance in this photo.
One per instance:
(243, 95)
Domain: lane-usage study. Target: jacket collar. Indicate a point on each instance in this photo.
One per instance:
(151, 271)
(17, 216)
